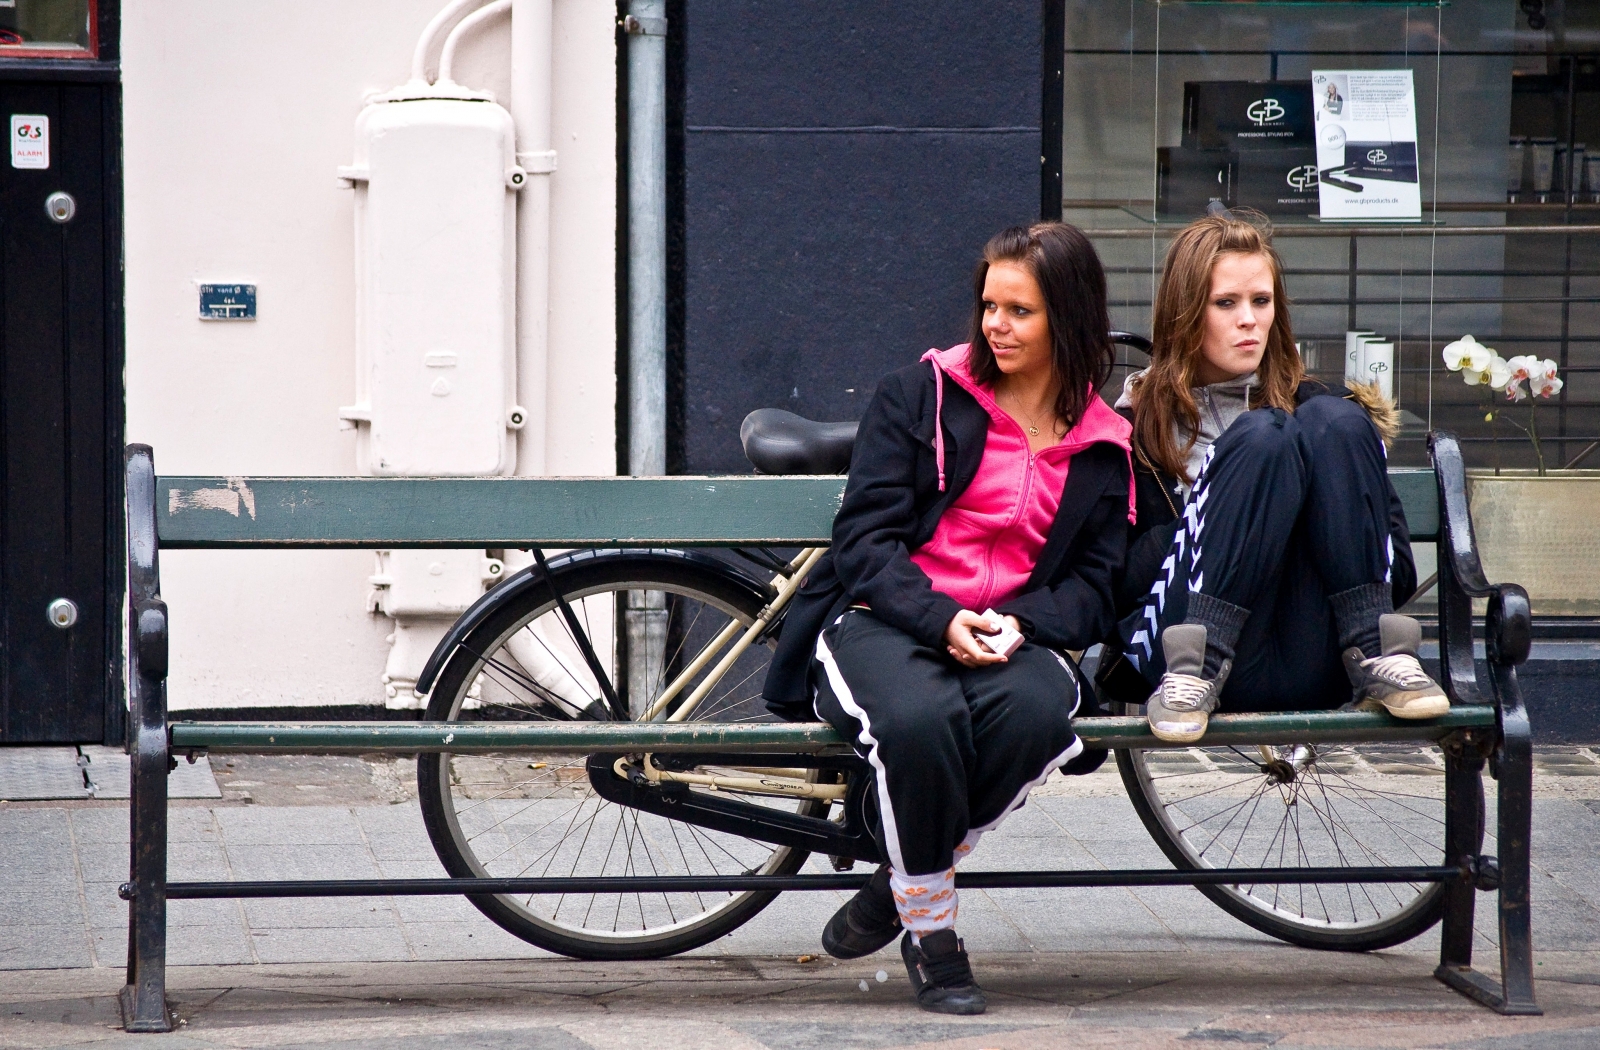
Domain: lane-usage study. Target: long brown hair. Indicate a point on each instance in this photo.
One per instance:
(1073, 282)
(1163, 397)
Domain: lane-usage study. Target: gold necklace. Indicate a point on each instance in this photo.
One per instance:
(1033, 420)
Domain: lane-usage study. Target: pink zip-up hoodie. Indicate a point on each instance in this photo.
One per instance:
(987, 542)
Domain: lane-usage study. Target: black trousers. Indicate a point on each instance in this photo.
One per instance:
(1287, 510)
(955, 749)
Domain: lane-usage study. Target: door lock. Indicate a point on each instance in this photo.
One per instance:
(63, 612)
(60, 206)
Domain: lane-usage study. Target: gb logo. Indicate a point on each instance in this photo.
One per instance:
(1264, 111)
(1302, 178)
(1376, 156)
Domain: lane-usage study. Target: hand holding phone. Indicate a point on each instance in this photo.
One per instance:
(1001, 639)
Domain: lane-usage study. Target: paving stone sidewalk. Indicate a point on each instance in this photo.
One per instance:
(1146, 967)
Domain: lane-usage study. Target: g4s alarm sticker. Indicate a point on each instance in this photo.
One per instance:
(30, 141)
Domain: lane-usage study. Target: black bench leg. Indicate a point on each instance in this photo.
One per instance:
(1463, 841)
(1513, 993)
(1516, 868)
(144, 997)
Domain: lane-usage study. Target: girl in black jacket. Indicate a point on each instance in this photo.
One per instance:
(989, 488)
(1271, 549)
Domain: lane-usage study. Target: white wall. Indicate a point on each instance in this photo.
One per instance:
(236, 117)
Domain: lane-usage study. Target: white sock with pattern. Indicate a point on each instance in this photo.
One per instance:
(926, 903)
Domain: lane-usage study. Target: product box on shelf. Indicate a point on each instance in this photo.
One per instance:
(1247, 114)
(1277, 181)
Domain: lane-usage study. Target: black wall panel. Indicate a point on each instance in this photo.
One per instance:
(842, 165)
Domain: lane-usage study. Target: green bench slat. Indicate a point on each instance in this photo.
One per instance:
(495, 512)
(551, 512)
(800, 738)
(1418, 489)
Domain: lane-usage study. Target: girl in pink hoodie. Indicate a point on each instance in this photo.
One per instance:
(985, 516)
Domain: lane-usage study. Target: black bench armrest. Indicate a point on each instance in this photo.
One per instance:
(147, 614)
(1508, 627)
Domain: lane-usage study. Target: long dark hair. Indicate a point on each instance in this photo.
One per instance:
(1069, 273)
(1163, 397)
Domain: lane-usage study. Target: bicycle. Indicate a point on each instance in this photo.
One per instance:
(683, 636)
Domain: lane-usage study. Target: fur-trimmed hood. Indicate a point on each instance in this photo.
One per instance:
(1385, 416)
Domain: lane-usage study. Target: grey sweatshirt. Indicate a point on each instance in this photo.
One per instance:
(1220, 404)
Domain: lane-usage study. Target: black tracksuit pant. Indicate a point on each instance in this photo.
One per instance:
(955, 749)
(1288, 511)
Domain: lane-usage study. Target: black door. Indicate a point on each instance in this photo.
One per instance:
(60, 390)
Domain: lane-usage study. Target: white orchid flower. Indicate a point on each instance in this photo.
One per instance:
(1479, 365)
(1522, 367)
(1467, 354)
(1544, 383)
(1499, 373)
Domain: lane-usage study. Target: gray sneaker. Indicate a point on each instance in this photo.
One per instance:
(1395, 680)
(1182, 704)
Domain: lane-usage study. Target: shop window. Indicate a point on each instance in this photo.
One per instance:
(1492, 221)
(1503, 242)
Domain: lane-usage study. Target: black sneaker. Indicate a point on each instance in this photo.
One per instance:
(867, 922)
(940, 974)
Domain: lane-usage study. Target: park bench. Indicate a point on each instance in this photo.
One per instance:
(697, 776)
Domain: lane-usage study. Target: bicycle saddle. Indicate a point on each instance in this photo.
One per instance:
(780, 442)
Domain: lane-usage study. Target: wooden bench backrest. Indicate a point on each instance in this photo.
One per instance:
(220, 512)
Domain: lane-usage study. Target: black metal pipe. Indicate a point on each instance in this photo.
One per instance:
(985, 880)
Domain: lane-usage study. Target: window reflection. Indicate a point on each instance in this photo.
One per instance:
(46, 28)
(1158, 124)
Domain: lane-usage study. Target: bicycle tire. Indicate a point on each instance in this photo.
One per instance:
(1354, 794)
(691, 583)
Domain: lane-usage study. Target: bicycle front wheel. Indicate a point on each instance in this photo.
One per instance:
(646, 616)
(1340, 805)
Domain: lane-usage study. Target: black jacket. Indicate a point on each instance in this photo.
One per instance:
(891, 507)
(1160, 503)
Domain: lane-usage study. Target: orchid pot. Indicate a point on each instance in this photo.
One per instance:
(1539, 530)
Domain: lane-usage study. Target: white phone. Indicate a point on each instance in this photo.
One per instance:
(1004, 641)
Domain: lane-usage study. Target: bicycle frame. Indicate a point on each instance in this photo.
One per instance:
(786, 583)
(787, 783)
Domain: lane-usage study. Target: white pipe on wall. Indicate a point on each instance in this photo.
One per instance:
(448, 15)
(532, 48)
(647, 237)
(447, 57)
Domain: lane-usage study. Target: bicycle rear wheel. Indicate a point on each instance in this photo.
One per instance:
(523, 815)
